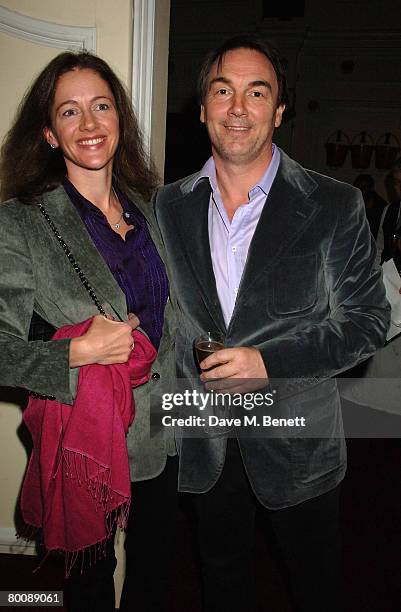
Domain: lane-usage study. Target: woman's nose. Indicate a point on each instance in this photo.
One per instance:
(88, 121)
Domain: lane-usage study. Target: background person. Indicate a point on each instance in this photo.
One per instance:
(392, 219)
(75, 147)
(374, 204)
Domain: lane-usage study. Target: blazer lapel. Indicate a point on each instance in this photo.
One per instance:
(288, 211)
(146, 208)
(190, 216)
(62, 212)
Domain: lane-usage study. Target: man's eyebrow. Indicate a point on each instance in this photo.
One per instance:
(219, 79)
(75, 101)
(258, 83)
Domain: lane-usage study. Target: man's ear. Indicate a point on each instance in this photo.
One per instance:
(202, 114)
(279, 115)
(50, 138)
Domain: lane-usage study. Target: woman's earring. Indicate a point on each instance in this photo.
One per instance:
(53, 146)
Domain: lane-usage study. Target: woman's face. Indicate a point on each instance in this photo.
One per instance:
(84, 121)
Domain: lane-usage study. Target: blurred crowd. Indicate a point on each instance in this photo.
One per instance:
(384, 215)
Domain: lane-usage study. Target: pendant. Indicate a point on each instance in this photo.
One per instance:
(117, 226)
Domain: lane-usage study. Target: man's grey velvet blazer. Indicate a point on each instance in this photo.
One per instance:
(310, 300)
(36, 275)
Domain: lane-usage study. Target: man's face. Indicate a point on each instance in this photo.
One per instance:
(240, 109)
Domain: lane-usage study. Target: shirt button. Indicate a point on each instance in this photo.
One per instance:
(155, 376)
(234, 249)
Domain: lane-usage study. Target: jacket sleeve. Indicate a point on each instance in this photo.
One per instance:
(359, 313)
(41, 367)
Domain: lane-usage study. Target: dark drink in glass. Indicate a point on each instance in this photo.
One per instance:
(207, 344)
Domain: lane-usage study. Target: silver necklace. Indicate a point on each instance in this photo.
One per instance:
(118, 224)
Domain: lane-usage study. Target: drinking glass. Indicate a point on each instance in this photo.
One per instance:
(207, 344)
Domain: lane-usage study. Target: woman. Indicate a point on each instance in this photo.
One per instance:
(75, 150)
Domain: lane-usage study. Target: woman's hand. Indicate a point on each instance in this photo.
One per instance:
(105, 342)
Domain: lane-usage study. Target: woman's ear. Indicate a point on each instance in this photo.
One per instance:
(50, 138)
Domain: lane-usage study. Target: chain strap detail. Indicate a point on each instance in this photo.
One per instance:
(86, 284)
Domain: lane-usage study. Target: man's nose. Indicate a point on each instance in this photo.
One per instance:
(238, 105)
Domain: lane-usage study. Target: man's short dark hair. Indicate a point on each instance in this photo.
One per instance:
(366, 180)
(244, 42)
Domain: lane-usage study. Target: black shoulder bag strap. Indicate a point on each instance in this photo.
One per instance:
(39, 328)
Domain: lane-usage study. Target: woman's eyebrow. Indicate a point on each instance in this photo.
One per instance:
(76, 102)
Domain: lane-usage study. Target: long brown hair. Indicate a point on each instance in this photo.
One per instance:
(29, 167)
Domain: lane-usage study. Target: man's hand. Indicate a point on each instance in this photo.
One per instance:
(234, 370)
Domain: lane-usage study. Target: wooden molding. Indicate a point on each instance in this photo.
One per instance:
(47, 33)
(142, 64)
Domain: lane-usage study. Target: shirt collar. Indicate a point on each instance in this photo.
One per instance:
(209, 172)
(86, 209)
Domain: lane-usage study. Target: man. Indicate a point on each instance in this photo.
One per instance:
(279, 259)
(392, 219)
(374, 204)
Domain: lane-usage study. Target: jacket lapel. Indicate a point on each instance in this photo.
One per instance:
(147, 209)
(189, 213)
(63, 214)
(288, 211)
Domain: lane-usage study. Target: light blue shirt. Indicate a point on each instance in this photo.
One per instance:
(229, 241)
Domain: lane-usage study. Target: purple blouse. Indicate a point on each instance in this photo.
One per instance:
(134, 262)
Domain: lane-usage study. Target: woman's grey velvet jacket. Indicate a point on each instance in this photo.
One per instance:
(36, 275)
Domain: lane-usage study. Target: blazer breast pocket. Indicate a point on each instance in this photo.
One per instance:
(295, 285)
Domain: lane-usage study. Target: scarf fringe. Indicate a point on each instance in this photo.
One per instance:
(88, 556)
(78, 467)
